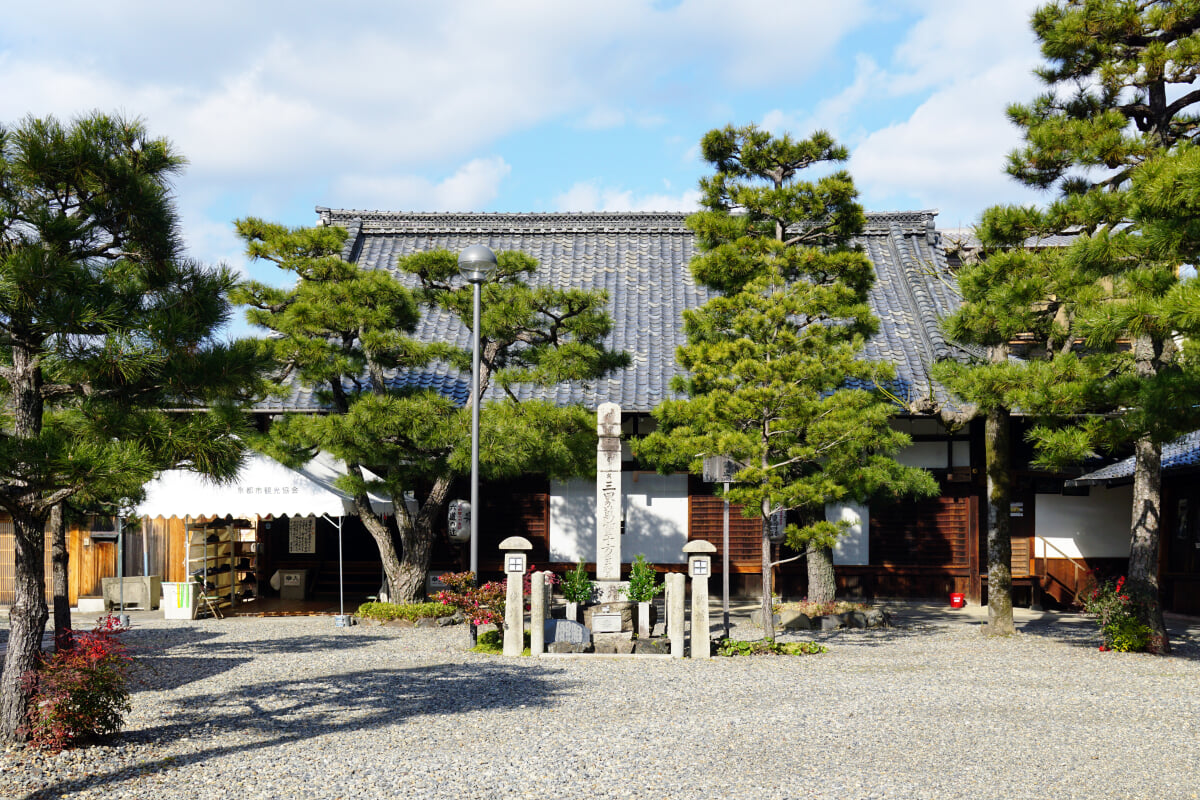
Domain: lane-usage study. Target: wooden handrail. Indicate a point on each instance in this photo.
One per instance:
(1078, 567)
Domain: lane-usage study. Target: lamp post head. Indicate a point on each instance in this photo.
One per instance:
(476, 263)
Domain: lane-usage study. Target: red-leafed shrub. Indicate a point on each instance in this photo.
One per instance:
(80, 693)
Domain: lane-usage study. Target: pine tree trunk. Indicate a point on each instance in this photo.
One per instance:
(382, 534)
(27, 621)
(1147, 505)
(768, 610)
(27, 618)
(999, 530)
(822, 585)
(416, 539)
(59, 560)
(1144, 535)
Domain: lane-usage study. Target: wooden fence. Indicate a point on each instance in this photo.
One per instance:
(90, 560)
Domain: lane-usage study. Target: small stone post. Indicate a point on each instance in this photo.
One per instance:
(537, 614)
(675, 602)
(699, 556)
(513, 549)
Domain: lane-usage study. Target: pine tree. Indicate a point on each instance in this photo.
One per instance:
(774, 377)
(103, 325)
(1110, 372)
(346, 331)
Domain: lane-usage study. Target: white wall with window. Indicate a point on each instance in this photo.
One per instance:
(655, 509)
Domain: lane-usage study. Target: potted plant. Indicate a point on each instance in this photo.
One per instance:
(577, 590)
(643, 588)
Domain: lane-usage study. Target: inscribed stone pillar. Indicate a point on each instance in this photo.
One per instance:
(699, 556)
(514, 615)
(608, 493)
(700, 618)
(537, 613)
(675, 603)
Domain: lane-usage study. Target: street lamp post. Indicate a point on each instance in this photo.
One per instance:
(475, 264)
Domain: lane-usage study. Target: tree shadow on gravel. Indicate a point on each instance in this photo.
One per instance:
(280, 712)
(157, 668)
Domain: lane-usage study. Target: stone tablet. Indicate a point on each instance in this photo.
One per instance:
(565, 630)
(606, 623)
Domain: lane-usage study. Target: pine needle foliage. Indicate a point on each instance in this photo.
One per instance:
(774, 377)
(1106, 317)
(346, 332)
(110, 364)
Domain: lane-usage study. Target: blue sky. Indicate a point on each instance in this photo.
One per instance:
(527, 105)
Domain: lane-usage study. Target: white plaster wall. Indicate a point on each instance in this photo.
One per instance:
(853, 548)
(656, 515)
(1096, 526)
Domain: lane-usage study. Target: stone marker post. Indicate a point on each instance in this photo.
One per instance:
(608, 501)
(537, 614)
(675, 602)
(513, 549)
(699, 556)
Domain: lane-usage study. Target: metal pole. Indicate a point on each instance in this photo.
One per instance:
(121, 568)
(475, 443)
(725, 564)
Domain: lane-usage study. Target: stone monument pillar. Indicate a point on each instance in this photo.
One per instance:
(675, 602)
(513, 550)
(537, 613)
(608, 502)
(699, 556)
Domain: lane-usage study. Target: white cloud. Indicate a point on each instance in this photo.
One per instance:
(601, 118)
(950, 152)
(471, 188)
(832, 113)
(955, 69)
(956, 39)
(593, 196)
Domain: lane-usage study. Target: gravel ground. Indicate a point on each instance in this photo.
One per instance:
(253, 708)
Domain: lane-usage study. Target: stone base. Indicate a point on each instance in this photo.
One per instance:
(145, 592)
(621, 643)
(625, 609)
(795, 621)
(91, 605)
(610, 591)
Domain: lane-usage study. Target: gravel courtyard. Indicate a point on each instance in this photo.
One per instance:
(253, 708)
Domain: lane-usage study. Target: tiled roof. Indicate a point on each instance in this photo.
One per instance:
(641, 260)
(1181, 454)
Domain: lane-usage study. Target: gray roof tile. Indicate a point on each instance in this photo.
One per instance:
(641, 259)
(1181, 454)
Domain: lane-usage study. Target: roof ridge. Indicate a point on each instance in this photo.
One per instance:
(375, 221)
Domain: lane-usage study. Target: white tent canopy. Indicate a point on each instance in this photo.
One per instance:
(262, 487)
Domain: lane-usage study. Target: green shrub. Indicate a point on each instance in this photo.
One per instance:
(491, 643)
(737, 647)
(1121, 614)
(409, 611)
(810, 609)
(643, 581)
(577, 587)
